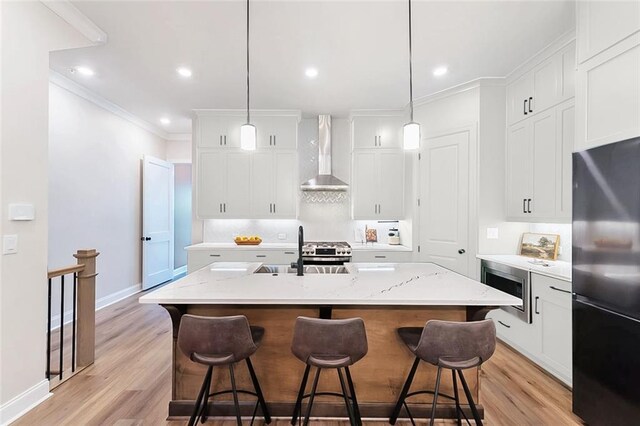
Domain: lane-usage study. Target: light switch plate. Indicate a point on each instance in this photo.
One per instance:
(493, 233)
(22, 212)
(9, 244)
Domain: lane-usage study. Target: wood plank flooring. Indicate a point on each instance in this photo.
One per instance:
(130, 382)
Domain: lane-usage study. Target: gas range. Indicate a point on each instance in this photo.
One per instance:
(326, 252)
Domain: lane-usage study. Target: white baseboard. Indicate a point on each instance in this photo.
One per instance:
(103, 302)
(18, 406)
(180, 270)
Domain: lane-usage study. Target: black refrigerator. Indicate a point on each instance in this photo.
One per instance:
(606, 284)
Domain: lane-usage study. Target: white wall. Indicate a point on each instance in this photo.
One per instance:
(29, 31)
(179, 151)
(95, 189)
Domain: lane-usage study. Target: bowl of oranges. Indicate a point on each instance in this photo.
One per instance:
(244, 240)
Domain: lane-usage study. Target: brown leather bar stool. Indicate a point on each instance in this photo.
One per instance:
(324, 343)
(217, 342)
(455, 346)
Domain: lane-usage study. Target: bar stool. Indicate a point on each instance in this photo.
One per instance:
(217, 342)
(324, 343)
(455, 346)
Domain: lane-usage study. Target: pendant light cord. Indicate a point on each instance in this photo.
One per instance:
(248, 116)
(410, 67)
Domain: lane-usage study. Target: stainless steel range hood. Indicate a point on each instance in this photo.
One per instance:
(325, 181)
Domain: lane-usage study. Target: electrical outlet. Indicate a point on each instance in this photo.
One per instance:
(493, 233)
(282, 236)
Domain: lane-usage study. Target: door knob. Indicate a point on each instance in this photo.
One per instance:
(461, 251)
(145, 239)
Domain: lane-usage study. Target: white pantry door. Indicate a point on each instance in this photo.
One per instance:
(157, 222)
(444, 212)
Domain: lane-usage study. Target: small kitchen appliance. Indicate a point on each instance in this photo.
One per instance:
(394, 237)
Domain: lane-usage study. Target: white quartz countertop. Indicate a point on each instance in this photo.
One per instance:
(234, 246)
(556, 269)
(402, 284)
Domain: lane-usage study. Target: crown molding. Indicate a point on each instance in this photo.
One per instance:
(254, 113)
(78, 20)
(73, 87)
(460, 88)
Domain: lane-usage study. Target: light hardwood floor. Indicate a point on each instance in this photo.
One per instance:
(129, 384)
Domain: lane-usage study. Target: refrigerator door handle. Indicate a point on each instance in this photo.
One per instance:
(581, 300)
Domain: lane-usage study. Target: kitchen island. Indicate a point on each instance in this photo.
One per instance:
(386, 296)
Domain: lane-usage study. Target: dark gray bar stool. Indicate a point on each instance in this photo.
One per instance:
(456, 346)
(217, 342)
(324, 343)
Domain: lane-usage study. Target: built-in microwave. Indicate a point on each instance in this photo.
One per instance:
(513, 281)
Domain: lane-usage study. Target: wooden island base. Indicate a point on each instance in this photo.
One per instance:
(378, 378)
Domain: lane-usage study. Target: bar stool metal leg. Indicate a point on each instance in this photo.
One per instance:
(204, 413)
(256, 386)
(352, 421)
(352, 391)
(404, 392)
(196, 407)
(467, 392)
(303, 386)
(312, 396)
(457, 397)
(435, 397)
(235, 395)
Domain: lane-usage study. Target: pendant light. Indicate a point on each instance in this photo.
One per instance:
(248, 130)
(411, 131)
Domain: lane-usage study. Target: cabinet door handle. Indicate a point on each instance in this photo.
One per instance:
(560, 290)
(225, 140)
(270, 206)
(289, 252)
(274, 140)
(525, 107)
(261, 255)
(536, 306)
(528, 205)
(380, 257)
(524, 205)
(214, 255)
(274, 207)
(224, 207)
(220, 140)
(503, 324)
(530, 103)
(379, 208)
(220, 207)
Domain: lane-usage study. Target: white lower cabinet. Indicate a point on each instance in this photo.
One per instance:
(547, 341)
(197, 259)
(382, 256)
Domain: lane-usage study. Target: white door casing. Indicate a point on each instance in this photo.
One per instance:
(157, 222)
(444, 212)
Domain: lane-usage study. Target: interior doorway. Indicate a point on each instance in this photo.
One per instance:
(182, 216)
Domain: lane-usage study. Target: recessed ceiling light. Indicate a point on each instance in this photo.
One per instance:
(440, 71)
(184, 72)
(165, 121)
(311, 72)
(85, 71)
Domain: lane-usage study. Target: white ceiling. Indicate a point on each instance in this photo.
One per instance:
(359, 47)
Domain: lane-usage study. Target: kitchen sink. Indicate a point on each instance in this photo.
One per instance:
(308, 269)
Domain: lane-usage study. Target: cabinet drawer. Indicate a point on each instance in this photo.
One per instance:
(382, 256)
(514, 331)
(552, 290)
(197, 259)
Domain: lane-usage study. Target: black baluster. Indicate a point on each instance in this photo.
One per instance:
(61, 324)
(49, 330)
(73, 331)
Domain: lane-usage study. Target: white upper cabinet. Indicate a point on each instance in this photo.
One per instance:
(219, 131)
(548, 84)
(279, 132)
(602, 24)
(223, 183)
(378, 185)
(519, 170)
(274, 185)
(377, 132)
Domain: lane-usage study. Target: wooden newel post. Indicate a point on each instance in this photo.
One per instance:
(86, 328)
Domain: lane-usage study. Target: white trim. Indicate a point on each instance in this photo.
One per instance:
(544, 53)
(376, 113)
(101, 303)
(460, 88)
(254, 112)
(18, 406)
(73, 87)
(78, 20)
(180, 270)
(179, 137)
